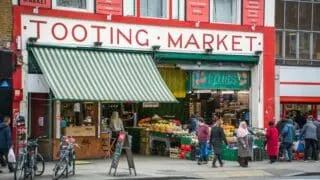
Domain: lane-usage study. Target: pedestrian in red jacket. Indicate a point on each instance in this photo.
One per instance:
(272, 137)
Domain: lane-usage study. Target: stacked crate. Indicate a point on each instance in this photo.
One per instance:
(174, 153)
(144, 142)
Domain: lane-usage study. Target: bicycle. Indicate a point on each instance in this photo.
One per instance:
(25, 166)
(39, 161)
(67, 158)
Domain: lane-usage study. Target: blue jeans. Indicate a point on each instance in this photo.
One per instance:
(203, 148)
(288, 149)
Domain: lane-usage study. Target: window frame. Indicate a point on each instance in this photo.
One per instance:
(311, 60)
(149, 17)
(90, 7)
(239, 13)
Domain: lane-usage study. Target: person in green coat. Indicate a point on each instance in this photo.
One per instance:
(217, 138)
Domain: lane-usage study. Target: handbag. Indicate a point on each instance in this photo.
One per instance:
(11, 156)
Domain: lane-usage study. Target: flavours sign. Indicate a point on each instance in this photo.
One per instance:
(116, 35)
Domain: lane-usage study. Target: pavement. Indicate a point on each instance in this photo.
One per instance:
(155, 167)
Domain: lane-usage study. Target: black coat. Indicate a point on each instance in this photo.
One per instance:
(217, 137)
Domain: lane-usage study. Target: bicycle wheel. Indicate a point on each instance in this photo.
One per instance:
(73, 163)
(19, 168)
(39, 165)
(60, 168)
(31, 167)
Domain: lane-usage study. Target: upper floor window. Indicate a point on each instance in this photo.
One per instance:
(129, 7)
(178, 9)
(154, 8)
(75, 5)
(226, 11)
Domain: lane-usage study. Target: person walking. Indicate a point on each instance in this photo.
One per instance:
(5, 140)
(203, 137)
(217, 137)
(309, 132)
(244, 144)
(317, 124)
(287, 135)
(194, 124)
(272, 137)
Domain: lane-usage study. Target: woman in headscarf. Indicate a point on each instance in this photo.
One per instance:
(216, 139)
(244, 144)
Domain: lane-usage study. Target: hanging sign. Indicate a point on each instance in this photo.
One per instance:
(113, 7)
(198, 10)
(224, 80)
(253, 12)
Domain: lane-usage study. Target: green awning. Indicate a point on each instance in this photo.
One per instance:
(185, 57)
(101, 75)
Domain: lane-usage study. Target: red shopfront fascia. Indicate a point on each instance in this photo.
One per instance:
(268, 38)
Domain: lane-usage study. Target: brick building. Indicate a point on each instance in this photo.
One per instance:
(6, 61)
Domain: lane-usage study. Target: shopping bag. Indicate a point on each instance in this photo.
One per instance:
(295, 145)
(300, 147)
(11, 156)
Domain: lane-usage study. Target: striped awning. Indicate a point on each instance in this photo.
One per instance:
(101, 75)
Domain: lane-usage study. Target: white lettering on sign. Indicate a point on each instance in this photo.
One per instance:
(62, 31)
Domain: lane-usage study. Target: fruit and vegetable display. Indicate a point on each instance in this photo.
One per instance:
(229, 130)
(157, 124)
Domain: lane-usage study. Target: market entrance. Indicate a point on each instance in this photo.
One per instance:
(220, 95)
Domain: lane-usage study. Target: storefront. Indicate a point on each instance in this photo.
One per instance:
(299, 92)
(80, 67)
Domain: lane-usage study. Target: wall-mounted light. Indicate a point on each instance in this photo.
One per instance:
(156, 47)
(36, 10)
(198, 63)
(209, 50)
(97, 43)
(197, 24)
(32, 40)
(258, 53)
(109, 17)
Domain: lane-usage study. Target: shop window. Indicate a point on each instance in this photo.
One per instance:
(79, 118)
(178, 9)
(291, 44)
(316, 15)
(129, 7)
(316, 46)
(73, 5)
(291, 15)
(279, 43)
(304, 45)
(152, 8)
(279, 14)
(305, 16)
(226, 11)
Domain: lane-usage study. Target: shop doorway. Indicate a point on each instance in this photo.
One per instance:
(299, 112)
(230, 106)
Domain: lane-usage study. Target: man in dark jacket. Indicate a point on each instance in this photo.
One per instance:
(317, 124)
(5, 140)
(194, 124)
(217, 138)
(309, 132)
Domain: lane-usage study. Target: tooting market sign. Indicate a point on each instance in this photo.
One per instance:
(69, 31)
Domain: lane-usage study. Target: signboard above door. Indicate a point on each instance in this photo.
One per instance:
(223, 80)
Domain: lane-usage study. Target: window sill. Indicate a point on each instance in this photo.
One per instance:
(148, 17)
(73, 9)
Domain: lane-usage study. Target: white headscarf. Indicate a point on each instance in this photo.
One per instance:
(242, 130)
